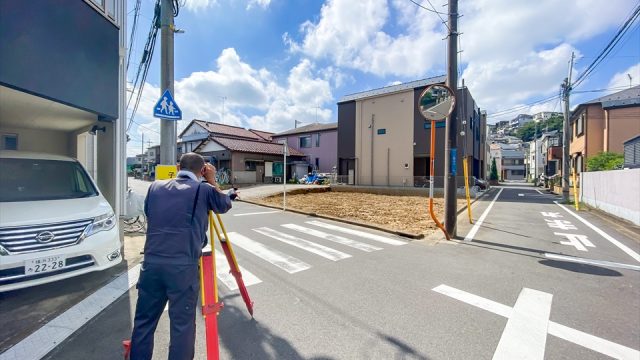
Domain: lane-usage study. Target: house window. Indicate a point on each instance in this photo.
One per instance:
(305, 141)
(580, 125)
(318, 140)
(9, 142)
(250, 166)
(317, 163)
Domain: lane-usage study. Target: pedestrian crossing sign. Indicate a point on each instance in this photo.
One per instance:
(166, 107)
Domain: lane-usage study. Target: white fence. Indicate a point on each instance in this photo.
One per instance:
(616, 192)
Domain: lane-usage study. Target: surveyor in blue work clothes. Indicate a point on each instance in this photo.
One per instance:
(177, 217)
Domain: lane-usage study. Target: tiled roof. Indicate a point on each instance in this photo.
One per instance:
(263, 134)
(309, 128)
(227, 130)
(394, 88)
(250, 146)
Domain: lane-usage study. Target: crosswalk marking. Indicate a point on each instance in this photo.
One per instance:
(303, 244)
(222, 269)
(277, 258)
(359, 233)
(334, 238)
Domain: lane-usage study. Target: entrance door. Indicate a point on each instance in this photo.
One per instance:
(260, 173)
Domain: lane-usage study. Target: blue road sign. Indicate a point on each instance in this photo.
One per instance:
(166, 107)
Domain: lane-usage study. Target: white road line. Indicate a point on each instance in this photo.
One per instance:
(258, 213)
(615, 242)
(475, 300)
(223, 268)
(359, 233)
(275, 257)
(525, 335)
(476, 227)
(520, 194)
(303, 244)
(42, 341)
(539, 192)
(334, 238)
(592, 262)
(589, 341)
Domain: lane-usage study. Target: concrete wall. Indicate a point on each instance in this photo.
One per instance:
(44, 141)
(596, 191)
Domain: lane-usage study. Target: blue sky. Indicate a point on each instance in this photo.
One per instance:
(277, 61)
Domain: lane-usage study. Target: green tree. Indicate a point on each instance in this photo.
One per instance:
(605, 161)
(493, 175)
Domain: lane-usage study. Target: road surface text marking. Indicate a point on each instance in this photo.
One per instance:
(526, 329)
(476, 227)
(578, 241)
(561, 224)
(592, 262)
(578, 337)
(53, 333)
(615, 242)
(285, 262)
(551, 214)
(359, 233)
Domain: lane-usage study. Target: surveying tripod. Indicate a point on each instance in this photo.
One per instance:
(211, 305)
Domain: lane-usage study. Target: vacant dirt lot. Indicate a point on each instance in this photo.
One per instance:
(400, 213)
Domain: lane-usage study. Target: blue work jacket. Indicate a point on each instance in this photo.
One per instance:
(177, 219)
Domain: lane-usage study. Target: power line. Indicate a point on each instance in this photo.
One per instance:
(145, 63)
(133, 30)
(608, 48)
(433, 10)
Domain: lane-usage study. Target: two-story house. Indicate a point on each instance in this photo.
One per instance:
(604, 124)
(319, 143)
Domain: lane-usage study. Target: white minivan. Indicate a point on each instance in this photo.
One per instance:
(54, 222)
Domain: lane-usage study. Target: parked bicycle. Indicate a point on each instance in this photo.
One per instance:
(135, 221)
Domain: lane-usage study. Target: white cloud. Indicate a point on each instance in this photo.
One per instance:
(621, 79)
(197, 5)
(258, 3)
(253, 98)
(352, 35)
(514, 51)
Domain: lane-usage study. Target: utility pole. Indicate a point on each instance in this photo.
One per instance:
(168, 128)
(566, 90)
(451, 130)
(142, 156)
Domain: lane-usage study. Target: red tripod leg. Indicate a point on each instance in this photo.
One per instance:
(210, 305)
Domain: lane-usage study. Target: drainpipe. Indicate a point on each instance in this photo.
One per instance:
(373, 120)
(388, 160)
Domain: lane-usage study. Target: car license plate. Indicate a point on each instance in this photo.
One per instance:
(43, 265)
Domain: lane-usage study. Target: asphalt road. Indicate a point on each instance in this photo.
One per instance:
(508, 287)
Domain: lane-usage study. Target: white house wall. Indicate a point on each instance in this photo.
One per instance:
(212, 146)
(392, 151)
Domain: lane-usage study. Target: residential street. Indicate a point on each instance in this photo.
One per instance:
(509, 287)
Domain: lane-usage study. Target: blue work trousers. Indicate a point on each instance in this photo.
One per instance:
(159, 283)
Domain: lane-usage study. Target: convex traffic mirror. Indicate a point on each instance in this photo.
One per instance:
(436, 102)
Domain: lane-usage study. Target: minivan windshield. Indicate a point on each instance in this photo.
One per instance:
(33, 179)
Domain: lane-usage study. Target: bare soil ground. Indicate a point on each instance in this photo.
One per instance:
(399, 213)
